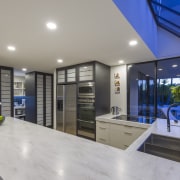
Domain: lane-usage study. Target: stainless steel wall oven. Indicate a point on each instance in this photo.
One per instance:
(86, 110)
(86, 89)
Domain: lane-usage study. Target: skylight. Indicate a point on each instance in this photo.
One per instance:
(167, 14)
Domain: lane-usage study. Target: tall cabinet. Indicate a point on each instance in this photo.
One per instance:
(93, 93)
(39, 103)
(6, 91)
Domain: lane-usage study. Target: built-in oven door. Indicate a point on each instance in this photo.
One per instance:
(86, 89)
(86, 129)
(86, 120)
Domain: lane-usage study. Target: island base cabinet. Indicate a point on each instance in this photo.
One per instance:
(122, 136)
(102, 132)
(117, 135)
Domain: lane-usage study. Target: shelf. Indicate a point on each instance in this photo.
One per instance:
(20, 115)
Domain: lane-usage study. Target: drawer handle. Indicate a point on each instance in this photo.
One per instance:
(126, 145)
(128, 126)
(128, 133)
(102, 128)
(102, 139)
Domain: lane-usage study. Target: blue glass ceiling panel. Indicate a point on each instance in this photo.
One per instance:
(167, 14)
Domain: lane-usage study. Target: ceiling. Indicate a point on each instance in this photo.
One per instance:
(87, 30)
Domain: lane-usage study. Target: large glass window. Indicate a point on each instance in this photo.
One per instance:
(166, 14)
(153, 87)
(168, 77)
(141, 81)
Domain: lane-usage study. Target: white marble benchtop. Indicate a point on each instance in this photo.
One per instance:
(32, 152)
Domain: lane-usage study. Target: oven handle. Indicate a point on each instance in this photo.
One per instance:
(86, 103)
(90, 122)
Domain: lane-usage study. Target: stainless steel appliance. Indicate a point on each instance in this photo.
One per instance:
(66, 116)
(86, 110)
(115, 110)
(86, 90)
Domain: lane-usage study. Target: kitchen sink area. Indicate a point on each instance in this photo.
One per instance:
(162, 146)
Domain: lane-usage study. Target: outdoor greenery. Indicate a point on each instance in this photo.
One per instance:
(175, 91)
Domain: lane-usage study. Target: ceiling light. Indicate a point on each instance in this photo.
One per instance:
(174, 65)
(160, 69)
(120, 61)
(11, 48)
(133, 43)
(51, 26)
(60, 61)
(147, 75)
(24, 69)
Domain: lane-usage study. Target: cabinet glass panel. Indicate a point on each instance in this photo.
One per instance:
(61, 76)
(86, 73)
(6, 92)
(71, 75)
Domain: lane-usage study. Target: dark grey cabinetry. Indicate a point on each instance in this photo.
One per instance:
(39, 103)
(98, 75)
(6, 91)
(67, 75)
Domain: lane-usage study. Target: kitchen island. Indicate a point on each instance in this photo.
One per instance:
(32, 152)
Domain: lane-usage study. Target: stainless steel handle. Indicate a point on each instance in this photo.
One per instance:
(128, 133)
(128, 126)
(85, 103)
(102, 128)
(90, 122)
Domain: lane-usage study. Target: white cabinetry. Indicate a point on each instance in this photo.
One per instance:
(19, 88)
(102, 132)
(117, 135)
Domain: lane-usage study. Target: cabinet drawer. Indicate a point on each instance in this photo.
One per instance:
(130, 134)
(102, 124)
(133, 130)
(102, 140)
(102, 132)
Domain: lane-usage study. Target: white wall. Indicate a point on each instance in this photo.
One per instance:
(119, 100)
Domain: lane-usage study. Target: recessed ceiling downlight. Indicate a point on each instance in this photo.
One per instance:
(121, 61)
(174, 65)
(60, 61)
(24, 69)
(133, 43)
(51, 25)
(11, 48)
(160, 69)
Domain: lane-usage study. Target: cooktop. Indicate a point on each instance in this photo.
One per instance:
(140, 119)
